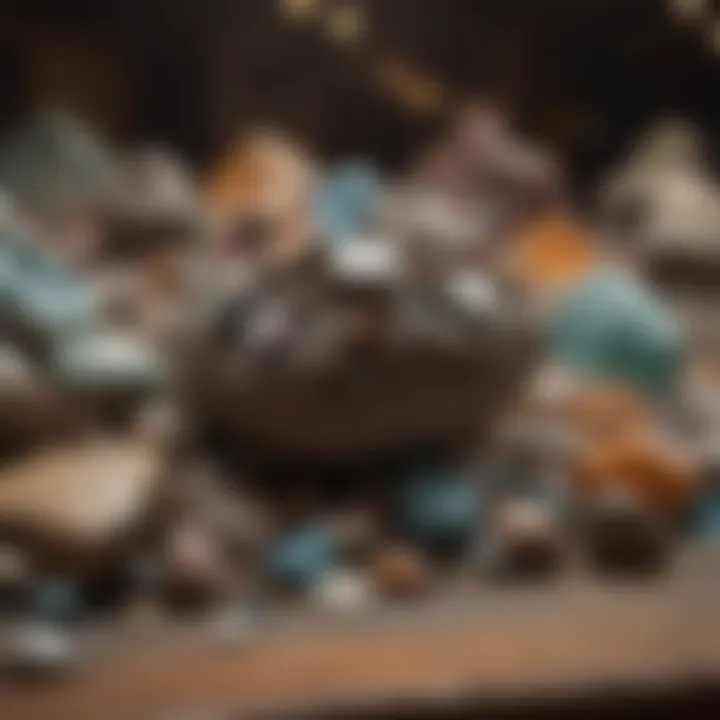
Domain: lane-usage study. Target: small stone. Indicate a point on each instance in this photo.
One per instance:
(602, 411)
(525, 540)
(610, 326)
(552, 253)
(706, 516)
(344, 592)
(102, 363)
(367, 262)
(41, 650)
(16, 575)
(242, 522)
(301, 558)
(196, 569)
(348, 200)
(57, 600)
(76, 503)
(644, 462)
(440, 511)
(401, 573)
(621, 532)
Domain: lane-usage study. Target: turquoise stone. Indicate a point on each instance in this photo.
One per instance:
(612, 327)
(347, 201)
(439, 507)
(704, 517)
(57, 600)
(300, 558)
(39, 293)
(45, 300)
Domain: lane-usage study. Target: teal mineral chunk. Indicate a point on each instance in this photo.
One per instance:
(440, 508)
(44, 302)
(614, 328)
(38, 293)
(348, 200)
(300, 558)
(704, 520)
(57, 600)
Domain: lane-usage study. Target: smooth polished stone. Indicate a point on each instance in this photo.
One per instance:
(613, 328)
(439, 509)
(301, 558)
(57, 600)
(401, 573)
(40, 650)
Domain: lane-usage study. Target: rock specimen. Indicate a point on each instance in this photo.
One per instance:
(73, 505)
(524, 539)
(301, 558)
(649, 464)
(621, 532)
(351, 354)
(401, 573)
(612, 327)
(663, 198)
(440, 510)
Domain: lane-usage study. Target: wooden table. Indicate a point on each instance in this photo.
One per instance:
(469, 646)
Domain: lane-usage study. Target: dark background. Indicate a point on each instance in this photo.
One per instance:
(584, 74)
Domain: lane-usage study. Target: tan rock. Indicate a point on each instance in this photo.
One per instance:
(81, 500)
(401, 573)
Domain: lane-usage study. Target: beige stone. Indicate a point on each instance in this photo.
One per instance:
(80, 500)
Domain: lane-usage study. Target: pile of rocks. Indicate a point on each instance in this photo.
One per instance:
(327, 385)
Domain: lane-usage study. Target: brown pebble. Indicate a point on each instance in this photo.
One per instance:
(402, 573)
(529, 535)
(198, 574)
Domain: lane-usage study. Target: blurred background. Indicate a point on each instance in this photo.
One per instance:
(584, 76)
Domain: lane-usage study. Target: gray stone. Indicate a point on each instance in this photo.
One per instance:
(40, 650)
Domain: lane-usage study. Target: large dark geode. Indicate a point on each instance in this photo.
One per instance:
(355, 354)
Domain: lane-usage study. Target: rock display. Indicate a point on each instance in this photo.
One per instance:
(342, 388)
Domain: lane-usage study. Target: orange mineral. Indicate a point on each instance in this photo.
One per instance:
(553, 252)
